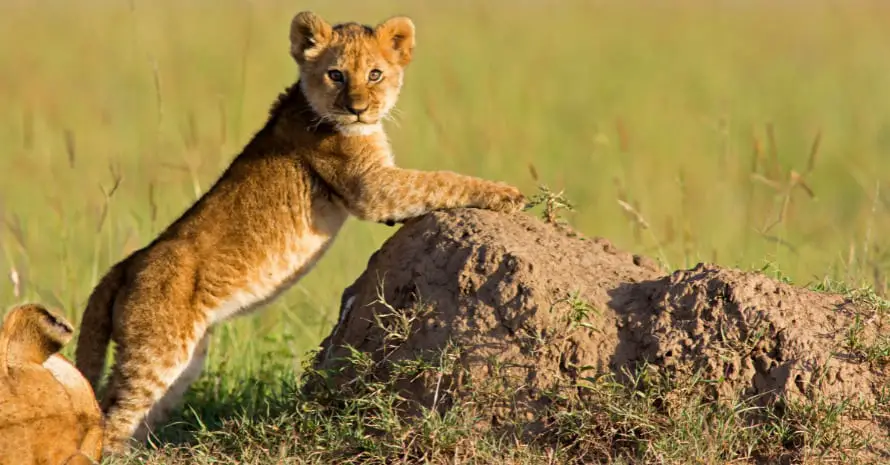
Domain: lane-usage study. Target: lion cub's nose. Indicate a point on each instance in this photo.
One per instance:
(355, 110)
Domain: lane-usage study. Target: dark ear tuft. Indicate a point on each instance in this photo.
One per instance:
(309, 34)
(398, 33)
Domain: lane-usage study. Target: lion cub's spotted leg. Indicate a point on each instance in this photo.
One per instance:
(142, 376)
(172, 399)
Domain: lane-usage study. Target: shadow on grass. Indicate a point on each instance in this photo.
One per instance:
(219, 399)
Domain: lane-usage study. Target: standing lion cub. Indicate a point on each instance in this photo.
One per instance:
(321, 156)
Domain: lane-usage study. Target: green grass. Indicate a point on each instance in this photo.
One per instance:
(680, 132)
(867, 344)
(649, 420)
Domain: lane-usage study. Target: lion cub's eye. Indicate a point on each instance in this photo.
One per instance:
(375, 75)
(335, 75)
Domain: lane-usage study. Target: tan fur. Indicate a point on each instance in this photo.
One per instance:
(321, 156)
(48, 412)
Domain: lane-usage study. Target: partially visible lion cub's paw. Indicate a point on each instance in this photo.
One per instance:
(507, 199)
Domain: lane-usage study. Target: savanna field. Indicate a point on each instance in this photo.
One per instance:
(748, 134)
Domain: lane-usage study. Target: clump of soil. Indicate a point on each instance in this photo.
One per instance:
(538, 309)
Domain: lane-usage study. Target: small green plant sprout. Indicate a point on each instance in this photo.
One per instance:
(554, 202)
(772, 270)
(579, 311)
(535, 339)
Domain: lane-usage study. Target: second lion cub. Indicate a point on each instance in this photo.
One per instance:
(321, 155)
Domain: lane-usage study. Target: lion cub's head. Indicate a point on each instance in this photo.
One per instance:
(48, 411)
(351, 74)
(32, 334)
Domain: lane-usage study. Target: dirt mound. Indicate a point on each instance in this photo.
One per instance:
(508, 290)
(753, 335)
(538, 309)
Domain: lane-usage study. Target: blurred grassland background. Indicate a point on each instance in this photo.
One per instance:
(680, 130)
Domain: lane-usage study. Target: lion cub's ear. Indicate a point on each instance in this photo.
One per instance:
(32, 334)
(397, 34)
(309, 34)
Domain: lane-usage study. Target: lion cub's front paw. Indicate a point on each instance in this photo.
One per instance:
(508, 199)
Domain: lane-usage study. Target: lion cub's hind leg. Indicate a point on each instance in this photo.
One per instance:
(158, 329)
(173, 398)
(142, 378)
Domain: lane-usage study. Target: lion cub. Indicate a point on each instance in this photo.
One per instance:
(48, 412)
(321, 156)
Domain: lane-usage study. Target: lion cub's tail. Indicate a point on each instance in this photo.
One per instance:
(95, 327)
